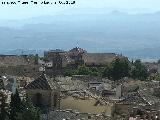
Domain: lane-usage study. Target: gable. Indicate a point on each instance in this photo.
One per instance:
(40, 83)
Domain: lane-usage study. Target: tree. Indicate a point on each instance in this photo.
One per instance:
(23, 110)
(95, 71)
(139, 71)
(91, 71)
(83, 70)
(3, 107)
(119, 68)
(15, 105)
(107, 72)
(70, 72)
(28, 112)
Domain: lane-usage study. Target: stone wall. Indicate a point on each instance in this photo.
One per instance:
(98, 59)
(123, 108)
(86, 78)
(23, 70)
(47, 99)
(85, 106)
(14, 60)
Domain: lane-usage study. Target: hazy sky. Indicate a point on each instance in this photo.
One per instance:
(26, 11)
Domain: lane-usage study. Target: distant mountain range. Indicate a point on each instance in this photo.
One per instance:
(134, 35)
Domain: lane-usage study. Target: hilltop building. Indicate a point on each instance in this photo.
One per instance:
(58, 60)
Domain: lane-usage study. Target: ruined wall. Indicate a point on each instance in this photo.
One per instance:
(86, 78)
(13, 60)
(98, 59)
(23, 65)
(27, 70)
(123, 108)
(85, 106)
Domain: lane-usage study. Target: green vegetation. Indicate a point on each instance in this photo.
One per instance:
(155, 77)
(84, 70)
(15, 105)
(18, 109)
(139, 71)
(107, 71)
(43, 58)
(3, 106)
(117, 69)
(120, 68)
(69, 72)
(28, 112)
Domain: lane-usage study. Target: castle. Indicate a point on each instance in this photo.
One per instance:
(58, 61)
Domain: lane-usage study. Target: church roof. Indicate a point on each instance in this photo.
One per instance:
(41, 83)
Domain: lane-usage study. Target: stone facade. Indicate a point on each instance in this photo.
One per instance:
(43, 93)
(15, 60)
(44, 99)
(27, 70)
(23, 65)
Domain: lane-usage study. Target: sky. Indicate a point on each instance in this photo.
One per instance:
(11, 12)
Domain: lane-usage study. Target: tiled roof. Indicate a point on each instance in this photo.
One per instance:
(41, 83)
